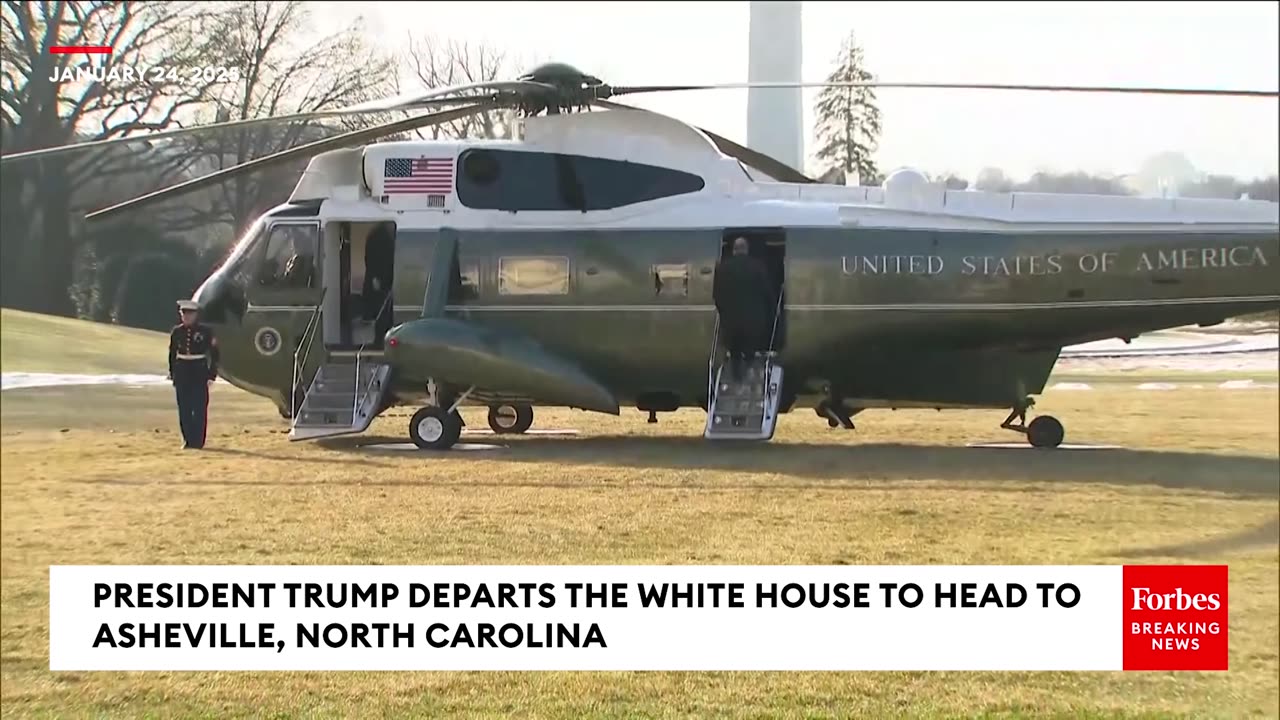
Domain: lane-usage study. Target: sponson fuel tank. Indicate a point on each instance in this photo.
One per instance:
(464, 354)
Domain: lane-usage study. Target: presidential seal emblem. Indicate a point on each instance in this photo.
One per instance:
(267, 341)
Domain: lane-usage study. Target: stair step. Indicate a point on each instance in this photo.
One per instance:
(343, 385)
(739, 406)
(729, 392)
(735, 422)
(346, 373)
(745, 408)
(338, 401)
(325, 418)
(317, 400)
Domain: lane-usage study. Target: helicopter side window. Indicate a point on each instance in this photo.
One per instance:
(501, 180)
(613, 183)
(241, 265)
(471, 281)
(515, 181)
(468, 281)
(671, 280)
(290, 260)
(533, 276)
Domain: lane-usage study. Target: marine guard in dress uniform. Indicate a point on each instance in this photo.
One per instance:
(193, 365)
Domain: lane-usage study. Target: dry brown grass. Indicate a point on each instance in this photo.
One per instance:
(1198, 483)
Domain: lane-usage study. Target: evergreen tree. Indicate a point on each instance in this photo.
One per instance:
(848, 121)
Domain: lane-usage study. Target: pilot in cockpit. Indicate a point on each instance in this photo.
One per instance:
(300, 266)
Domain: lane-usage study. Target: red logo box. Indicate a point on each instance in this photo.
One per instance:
(1175, 617)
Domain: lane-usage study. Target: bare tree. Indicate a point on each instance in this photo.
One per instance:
(1225, 187)
(847, 117)
(49, 99)
(951, 181)
(1267, 188)
(278, 74)
(993, 180)
(438, 63)
(1073, 183)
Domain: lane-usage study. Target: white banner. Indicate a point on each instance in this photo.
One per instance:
(585, 618)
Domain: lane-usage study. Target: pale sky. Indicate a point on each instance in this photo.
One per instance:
(1192, 44)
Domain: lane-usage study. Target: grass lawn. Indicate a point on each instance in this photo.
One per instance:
(92, 475)
(1197, 484)
(42, 343)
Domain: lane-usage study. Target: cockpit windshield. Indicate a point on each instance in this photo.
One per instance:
(247, 241)
(223, 291)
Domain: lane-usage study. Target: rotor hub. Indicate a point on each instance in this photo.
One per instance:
(567, 89)
(561, 75)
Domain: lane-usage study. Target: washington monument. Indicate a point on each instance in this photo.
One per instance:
(775, 116)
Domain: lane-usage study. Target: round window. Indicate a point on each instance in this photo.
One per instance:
(480, 167)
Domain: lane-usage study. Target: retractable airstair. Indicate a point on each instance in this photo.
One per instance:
(343, 396)
(744, 408)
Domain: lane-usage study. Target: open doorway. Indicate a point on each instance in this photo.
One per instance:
(769, 245)
(361, 277)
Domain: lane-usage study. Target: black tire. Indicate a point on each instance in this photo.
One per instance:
(510, 419)
(1045, 432)
(431, 428)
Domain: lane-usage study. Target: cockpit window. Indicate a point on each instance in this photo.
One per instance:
(246, 241)
(516, 180)
(290, 260)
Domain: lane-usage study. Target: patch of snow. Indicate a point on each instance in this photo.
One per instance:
(22, 380)
(1175, 343)
(1265, 361)
(1246, 385)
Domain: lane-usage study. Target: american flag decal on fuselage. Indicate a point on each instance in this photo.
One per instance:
(418, 176)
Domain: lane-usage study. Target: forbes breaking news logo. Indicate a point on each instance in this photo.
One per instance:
(1175, 617)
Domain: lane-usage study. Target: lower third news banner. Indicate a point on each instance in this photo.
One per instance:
(637, 618)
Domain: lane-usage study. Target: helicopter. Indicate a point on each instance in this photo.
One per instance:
(573, 265)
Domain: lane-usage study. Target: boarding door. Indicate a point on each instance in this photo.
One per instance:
(365, 275)
(285, 293)
(745, 405)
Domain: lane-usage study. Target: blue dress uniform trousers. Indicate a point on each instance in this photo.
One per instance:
(191, 383)
(193, 363)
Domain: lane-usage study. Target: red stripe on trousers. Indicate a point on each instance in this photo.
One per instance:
(204, 429)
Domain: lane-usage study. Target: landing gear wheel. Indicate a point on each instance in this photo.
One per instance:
(1045, 432)
(510, 419)
(432, 428)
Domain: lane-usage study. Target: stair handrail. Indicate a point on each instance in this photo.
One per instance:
(773, 337)
(777, 312)
(304, 348)
(385, 302)
(711, 361)
(356, 395)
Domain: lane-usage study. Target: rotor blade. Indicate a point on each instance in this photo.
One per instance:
(408, 101)
(951, 86)
(415, 99)
(758, 160)
(344, 140)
